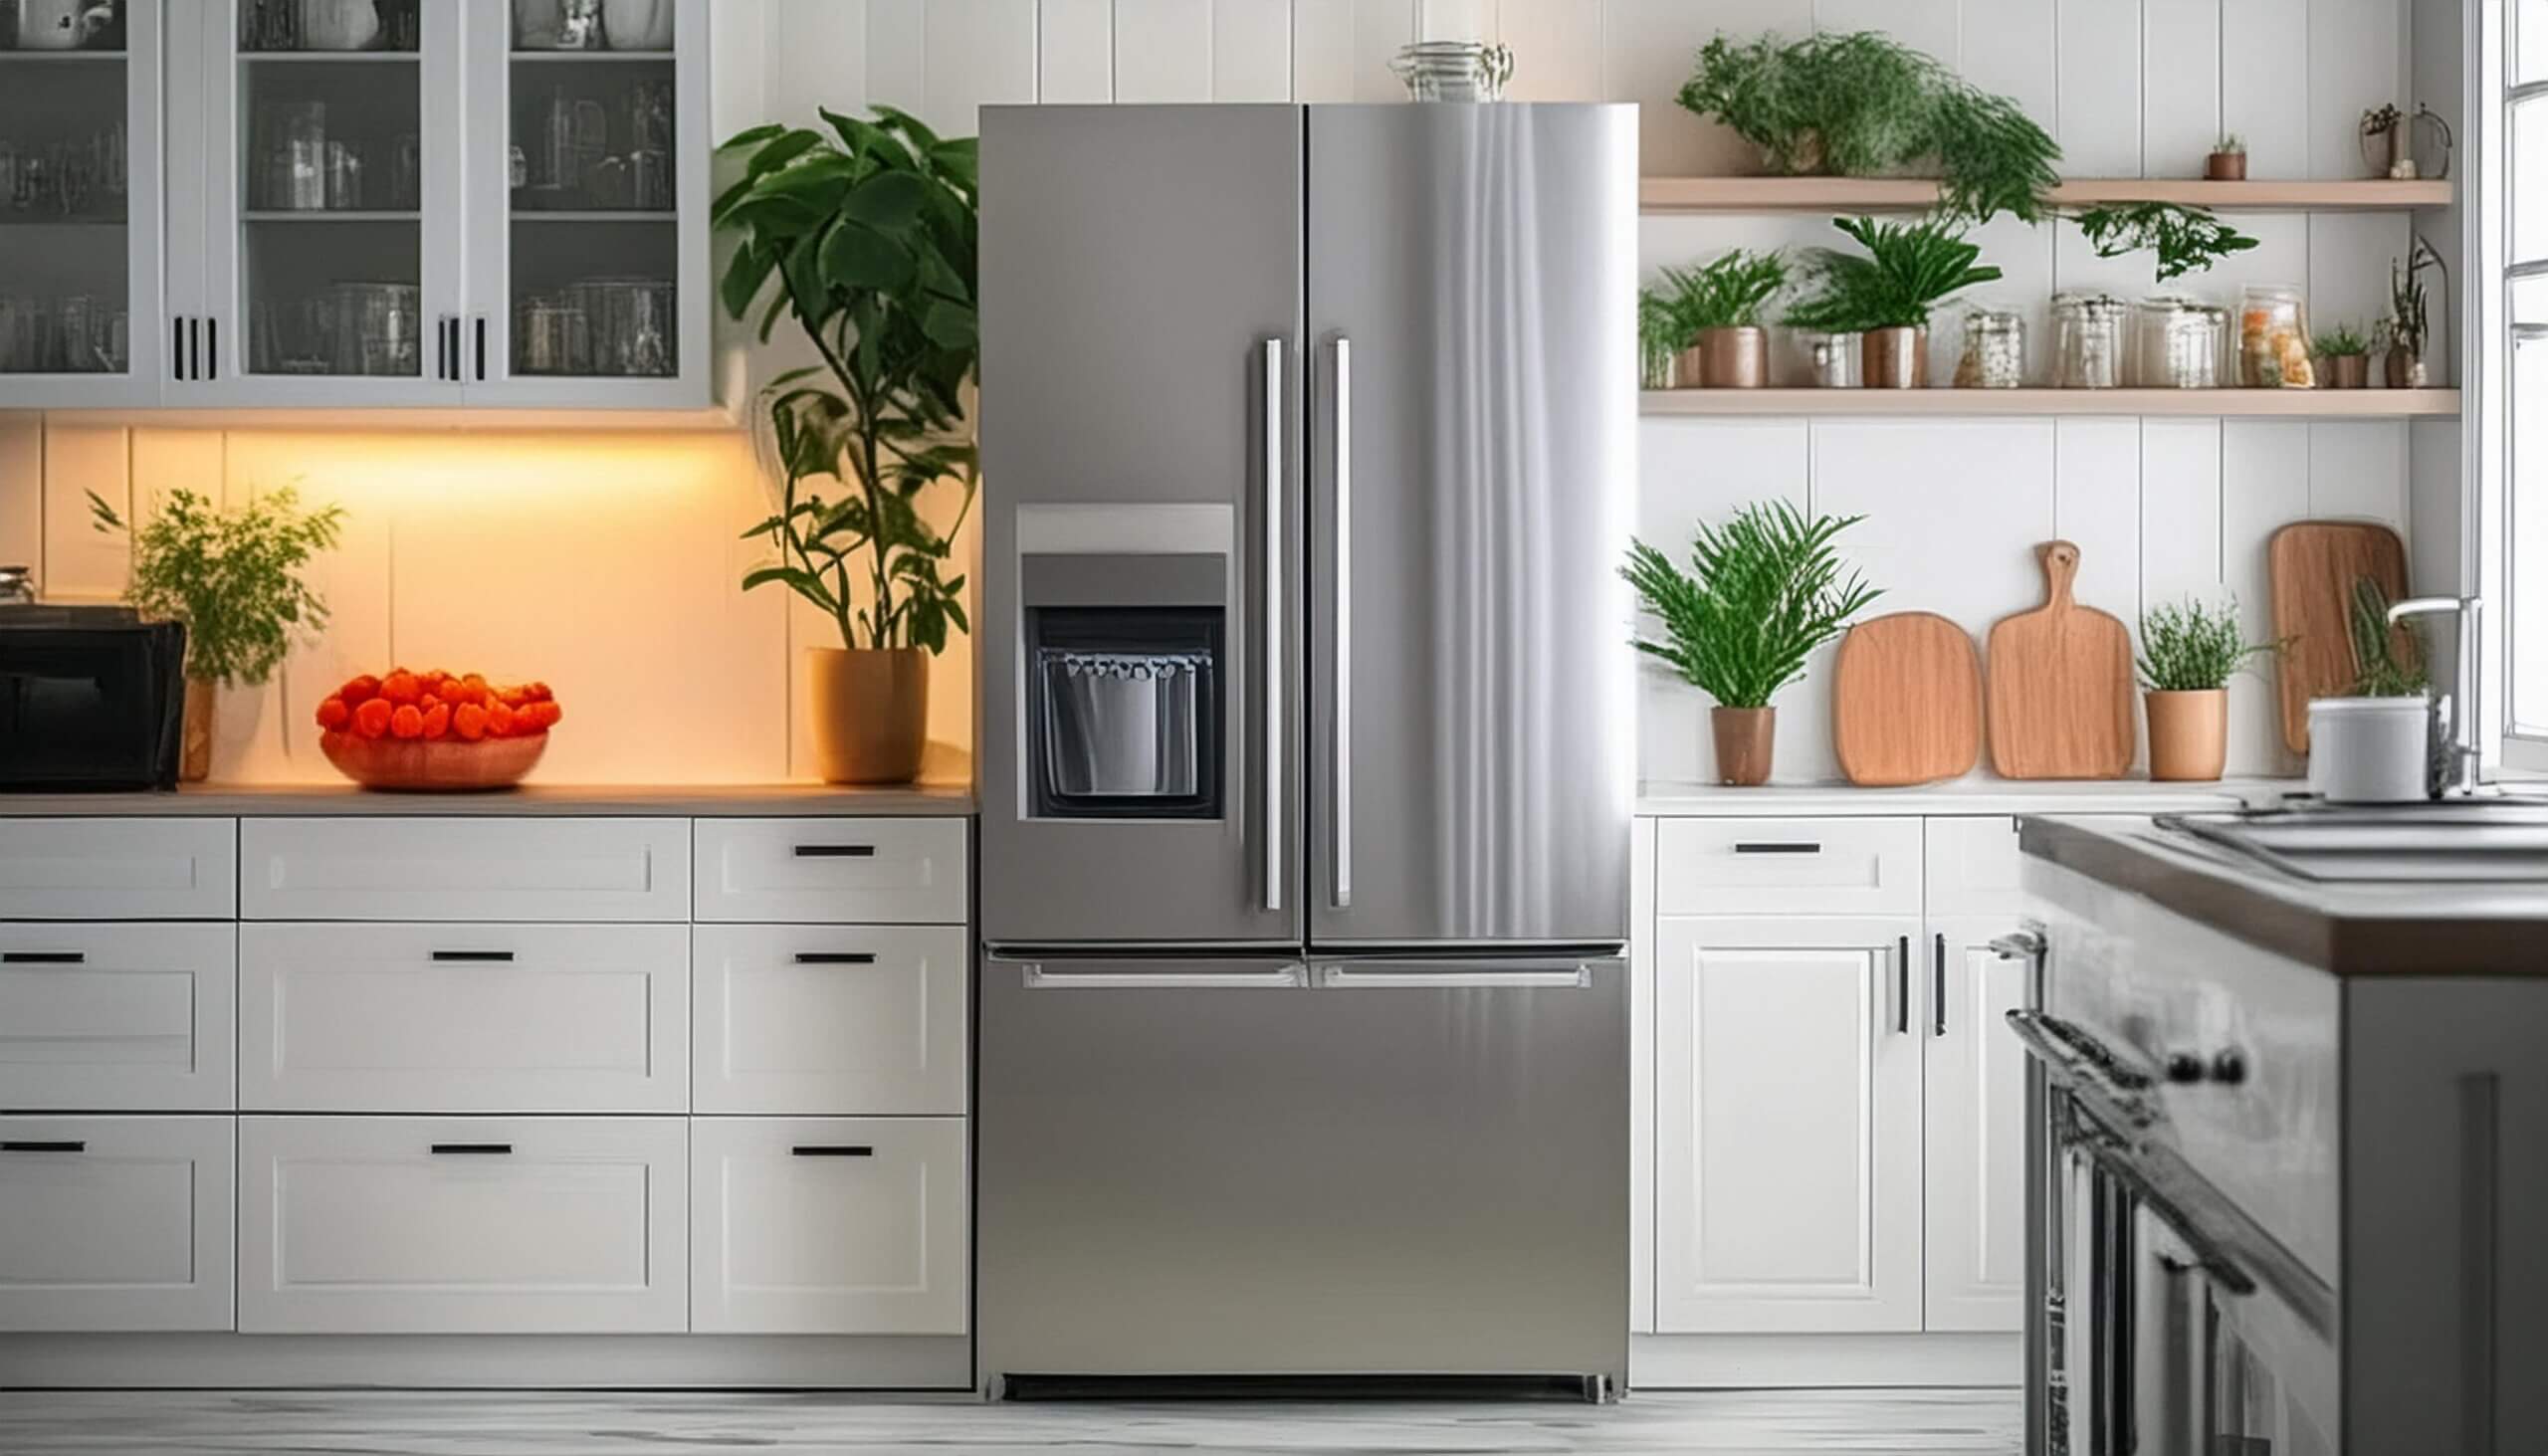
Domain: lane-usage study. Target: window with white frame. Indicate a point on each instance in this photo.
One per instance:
(2513, 306)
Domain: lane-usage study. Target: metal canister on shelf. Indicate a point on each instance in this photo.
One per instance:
(2088, 340)
(1835, 359)
(1994, 350)
(2178, 343)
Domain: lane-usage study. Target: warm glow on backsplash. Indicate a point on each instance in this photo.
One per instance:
(605, 565)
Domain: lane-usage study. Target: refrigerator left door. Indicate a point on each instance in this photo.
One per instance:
(1140, 296)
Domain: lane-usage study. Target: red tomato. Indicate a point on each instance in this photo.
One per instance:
(334, 713)
(437, 720)
(372, 719)
(408, 722)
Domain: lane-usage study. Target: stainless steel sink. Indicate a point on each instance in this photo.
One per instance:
(2489, 840)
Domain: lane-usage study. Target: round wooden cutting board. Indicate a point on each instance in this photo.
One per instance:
(1906, 700)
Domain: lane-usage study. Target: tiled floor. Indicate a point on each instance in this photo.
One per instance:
(1964, 1423)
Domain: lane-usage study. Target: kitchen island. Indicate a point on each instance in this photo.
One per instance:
(2285, 1129)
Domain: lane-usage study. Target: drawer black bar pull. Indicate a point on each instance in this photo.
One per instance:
(832, 1149)
(1777, 846)
(43, 957)
(44, 1146)
(473, 956)
(472, 1147)
(835, 957)
(835, 851)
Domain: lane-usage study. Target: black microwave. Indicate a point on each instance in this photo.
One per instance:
(91, 699)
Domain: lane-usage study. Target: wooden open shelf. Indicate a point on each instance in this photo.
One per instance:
(2319, 404)
(1902, 194)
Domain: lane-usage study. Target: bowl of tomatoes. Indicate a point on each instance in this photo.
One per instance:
(434, 731)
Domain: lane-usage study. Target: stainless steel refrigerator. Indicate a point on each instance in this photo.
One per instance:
(1306, 747)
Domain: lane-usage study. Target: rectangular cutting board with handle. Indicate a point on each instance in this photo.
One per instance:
(2313, 565)
(1906, 700)
(2060, 684)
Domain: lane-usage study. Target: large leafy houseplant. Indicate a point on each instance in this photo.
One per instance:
(1907, 269)
(2184, 239)
(1863, 103)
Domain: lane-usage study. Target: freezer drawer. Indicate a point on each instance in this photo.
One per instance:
(1277, 1167)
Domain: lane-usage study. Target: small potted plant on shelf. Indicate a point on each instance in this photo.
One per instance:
(2409, 327)
(1886, 295)
(237, 579)
(2374, 745)
(1661, 341)
(1764, 590)
(2348, 357)
(2188, 653)
(2229, 160)
(1716, 310)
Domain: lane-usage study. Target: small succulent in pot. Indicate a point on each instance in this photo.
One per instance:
(1887, 293)
(2229, 160)
(2188, 653)
(1715, 314)
(2348, 356)
(1764, 590)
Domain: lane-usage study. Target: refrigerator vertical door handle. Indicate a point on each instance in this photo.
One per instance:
(1341, 807)
(1275, 708)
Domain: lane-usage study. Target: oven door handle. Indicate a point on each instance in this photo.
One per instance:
(2238, 1254)
(2054, 1043)
(2115, 1158)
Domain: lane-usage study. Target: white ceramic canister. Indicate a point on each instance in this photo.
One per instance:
(2370, 750)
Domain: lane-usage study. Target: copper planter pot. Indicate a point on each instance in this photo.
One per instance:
(2401, 369)
(1736, 358)
(194, 739)
(2188, 734)
(1744, 739)
(1894, 358)
(870, 712)
(2226, 166)
(2347, 371)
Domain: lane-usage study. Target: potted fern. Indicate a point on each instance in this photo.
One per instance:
(870, 241)
(1764, 590)
(2188, 653)
(1886, 295)
(1715, 318)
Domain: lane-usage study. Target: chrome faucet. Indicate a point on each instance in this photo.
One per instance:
(2458, 774)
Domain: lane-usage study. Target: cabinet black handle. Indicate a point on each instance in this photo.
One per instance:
(178, 347)
(490, 1148)
(835, 957)
(473, 956)
(832, 1149)
(1902, 985)
(212, 349)
(194, 349)
(1775, 846)
(1938, 988)
(17, 1146)
(835, 851)
(482, 349)
(43, 957)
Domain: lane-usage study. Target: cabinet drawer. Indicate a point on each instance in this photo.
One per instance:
(829, 1226)
(830, 1020)
(1973, 866)
(463, 1226)
(119, 869)
(427, 868)
(133, 1017)
(834, 870)
(453, 1018)
(1788, 866)
(116, 1223)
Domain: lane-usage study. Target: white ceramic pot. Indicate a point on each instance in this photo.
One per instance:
(637, 25)
(2370, 750)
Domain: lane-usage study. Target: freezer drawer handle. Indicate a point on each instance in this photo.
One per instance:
(835, 957)
(835, 851)
(43, 957)
(474, 956)
(492, 1149)
(1777, 846)
(25, 1146)
(832, 1149)
(1275, 978)
(1353, 978)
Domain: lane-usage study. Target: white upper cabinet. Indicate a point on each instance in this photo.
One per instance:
(360, 203)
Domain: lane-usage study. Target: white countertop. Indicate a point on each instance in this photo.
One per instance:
(1671, 799)
(678, 801)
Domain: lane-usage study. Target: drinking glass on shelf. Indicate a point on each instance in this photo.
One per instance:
(550, 337)
(296, 155)
(344, 178)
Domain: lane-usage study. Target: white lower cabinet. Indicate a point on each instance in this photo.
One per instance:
(117, 1017)
(1976, 1132)
(463, 1225)
(828, 1226)
(1788, 1125)
(116, 1223)
(822, 1019)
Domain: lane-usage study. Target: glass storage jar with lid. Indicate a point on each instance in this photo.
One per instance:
(2178, 343)
(2273, 337)
(1995, 348)
(2087, 340)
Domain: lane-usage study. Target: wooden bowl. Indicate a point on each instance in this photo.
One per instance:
(432, 766)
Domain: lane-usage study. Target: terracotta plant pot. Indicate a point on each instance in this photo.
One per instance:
(194, 742)
(2347, 371)
(2188, 734)
(1744, 739)
(1894, 358)
(871, 712)
(2226, 166)
(1734, 358)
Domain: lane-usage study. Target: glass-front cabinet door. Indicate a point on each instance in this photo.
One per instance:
(80, 205)
(588, 203)
(331, 207)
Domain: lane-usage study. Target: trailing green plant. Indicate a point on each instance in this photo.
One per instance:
(2388, 657)
(1764, 590)
(872, 242)
(1863, 103)
(2185, 239)
(1729, 292)
(2195, 647)
(2344, 340)
(234, 577)
(1659, 336)
(1907, 269)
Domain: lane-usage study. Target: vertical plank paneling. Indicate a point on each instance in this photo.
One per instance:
(1648, 48)
(1162, 49)
(1380, 29)
(1930, 26)
(2096, 502)
(1456, 20)
(1075, 56)
(2266, 470)
(2358, 471)
(1251, 50)
(2181, 102)
(738, 66)
(2008, 49)
(80, 562)
(2097, 87)
(898, 55)
(1557, 47)
(2265, 91)
(2179, 508)
(2357, 61)
(978, 52)
(2349, 258)
(1322, 49)
(22, 492)
(818, 53)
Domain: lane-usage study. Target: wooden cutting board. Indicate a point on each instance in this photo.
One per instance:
(1906, 700)
(2061, 687)
(2313, 565)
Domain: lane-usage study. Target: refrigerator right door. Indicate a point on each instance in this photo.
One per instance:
(1472, 455)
